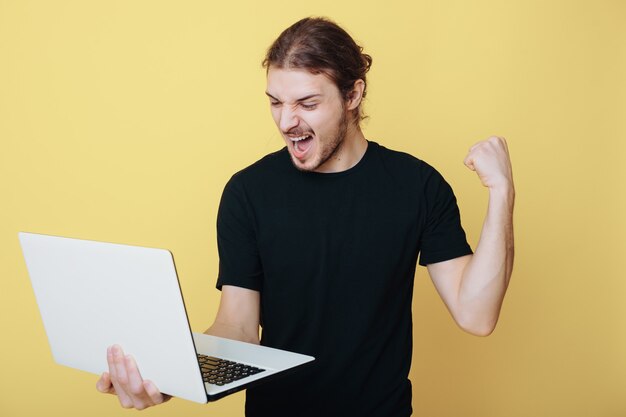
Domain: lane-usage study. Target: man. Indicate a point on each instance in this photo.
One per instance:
(319, 241)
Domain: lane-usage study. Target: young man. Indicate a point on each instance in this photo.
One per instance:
(319, 241)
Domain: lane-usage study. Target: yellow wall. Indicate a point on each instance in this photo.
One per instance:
(122, 121)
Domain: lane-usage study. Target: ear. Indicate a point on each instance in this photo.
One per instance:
(355, 96)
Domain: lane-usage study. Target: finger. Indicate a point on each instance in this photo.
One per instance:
(155, 395)
(104, 384)
(120, 365)
(500, 149)
(115, 368)
(135, 383)
(505, 145)
(480, 144)
(111, 363)
(490, 140)
(469, 162)
(500, 142)
(141, 399)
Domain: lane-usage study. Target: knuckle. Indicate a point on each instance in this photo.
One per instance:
(135, 390)
(148, 386)
(152, 393)
(103, 389)
(126, 404)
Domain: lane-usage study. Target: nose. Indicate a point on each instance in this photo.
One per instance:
(288, 119)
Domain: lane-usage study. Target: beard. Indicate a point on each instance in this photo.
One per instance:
(328, 148)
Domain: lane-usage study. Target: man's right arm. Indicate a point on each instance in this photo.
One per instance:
(238, 318)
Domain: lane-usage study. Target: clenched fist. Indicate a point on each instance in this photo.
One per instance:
(490, 159)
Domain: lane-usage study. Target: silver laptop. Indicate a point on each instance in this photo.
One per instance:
(92, 295)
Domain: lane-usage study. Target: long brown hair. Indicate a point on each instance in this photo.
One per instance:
(321, 46)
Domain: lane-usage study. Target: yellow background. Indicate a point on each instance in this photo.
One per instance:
(122, 121)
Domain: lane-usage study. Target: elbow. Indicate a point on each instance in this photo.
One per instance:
(482, 331)
(477, 326)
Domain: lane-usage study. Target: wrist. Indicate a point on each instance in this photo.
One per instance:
(504, 191)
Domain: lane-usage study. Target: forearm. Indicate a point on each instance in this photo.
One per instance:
(486, 276)
(233, 332)
(238, 316)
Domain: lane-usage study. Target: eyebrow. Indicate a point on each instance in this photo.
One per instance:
(305, 98)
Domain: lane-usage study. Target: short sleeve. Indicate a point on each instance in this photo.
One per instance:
(443, 237)
(239, 261)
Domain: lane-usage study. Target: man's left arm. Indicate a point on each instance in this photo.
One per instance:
(473, 286)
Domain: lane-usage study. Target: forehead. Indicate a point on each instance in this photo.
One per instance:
(293, 84)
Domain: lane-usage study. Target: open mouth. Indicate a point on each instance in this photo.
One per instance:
(301, 144)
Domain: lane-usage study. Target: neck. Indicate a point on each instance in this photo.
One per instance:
(349, 152)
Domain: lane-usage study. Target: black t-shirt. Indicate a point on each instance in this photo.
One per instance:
(334, 257)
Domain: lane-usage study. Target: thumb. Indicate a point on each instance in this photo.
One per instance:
(104, 384)
(469, 162)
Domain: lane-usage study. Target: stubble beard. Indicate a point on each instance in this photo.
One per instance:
(330, 149)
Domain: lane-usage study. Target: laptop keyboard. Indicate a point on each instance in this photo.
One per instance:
(218, 371)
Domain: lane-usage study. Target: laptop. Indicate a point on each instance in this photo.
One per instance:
(92, 295)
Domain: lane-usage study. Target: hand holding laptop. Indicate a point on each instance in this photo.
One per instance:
(75, 282)
(125, 381)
